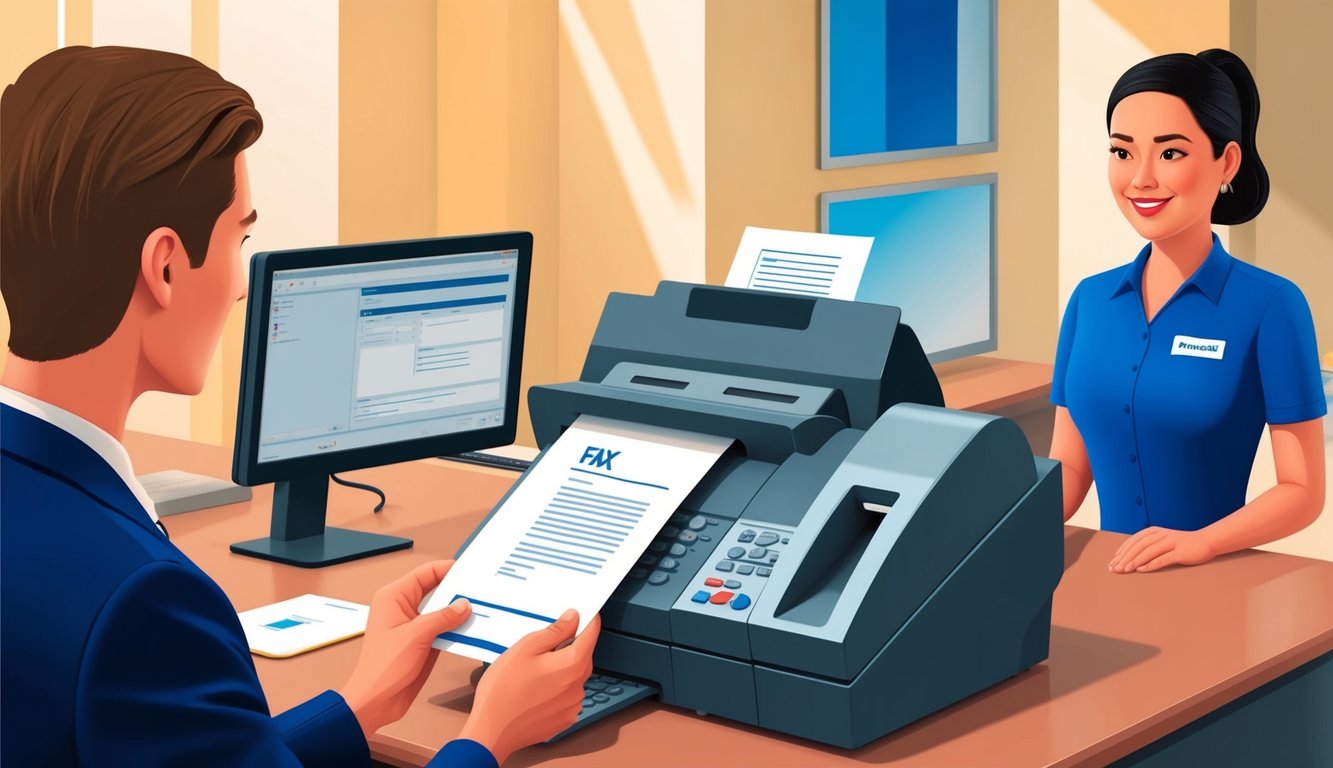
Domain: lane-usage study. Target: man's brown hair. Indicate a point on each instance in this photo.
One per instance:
(98, 148)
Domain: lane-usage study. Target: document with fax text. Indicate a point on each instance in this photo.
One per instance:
(571, 531)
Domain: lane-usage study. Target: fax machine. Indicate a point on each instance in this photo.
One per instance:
(860, 557)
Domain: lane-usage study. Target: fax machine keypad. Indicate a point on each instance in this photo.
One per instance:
(740, 566)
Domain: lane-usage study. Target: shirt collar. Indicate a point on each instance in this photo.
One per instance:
(1208, 279)
(103, 444)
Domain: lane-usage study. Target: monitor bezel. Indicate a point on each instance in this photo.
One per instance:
(246, 468)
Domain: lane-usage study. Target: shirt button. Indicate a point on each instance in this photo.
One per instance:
(1134, 367)
(1138, 500)
(1145, 334)
(1133, 459)
(1126, 409)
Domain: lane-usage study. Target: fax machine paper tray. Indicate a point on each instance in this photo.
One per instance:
(766, 435)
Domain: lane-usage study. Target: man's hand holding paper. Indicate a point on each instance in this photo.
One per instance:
(571, 531)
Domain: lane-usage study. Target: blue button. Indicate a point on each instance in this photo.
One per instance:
(745, 569)
(700, 597)
(1138, 500)
(732, 584)
(678, 550)
(668, 564)
(740, 602)
(1134, 367)
(1126, 409)
(1145, 334)
(1133, 459)
(725, 565)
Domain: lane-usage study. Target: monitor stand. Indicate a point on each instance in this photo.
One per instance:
(299, 537)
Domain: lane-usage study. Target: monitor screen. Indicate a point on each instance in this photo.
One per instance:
(933, 257)
(402, 350)
(368, 354)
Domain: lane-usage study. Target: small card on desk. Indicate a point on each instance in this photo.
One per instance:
(301, 624)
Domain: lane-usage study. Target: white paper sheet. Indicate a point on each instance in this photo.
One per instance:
(803, 263)
(302, 624)
(568, 535)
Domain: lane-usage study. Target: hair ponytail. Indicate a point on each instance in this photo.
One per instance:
(1250, 185)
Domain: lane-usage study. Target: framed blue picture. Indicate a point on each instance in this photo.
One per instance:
(906, 79)
(933, 257)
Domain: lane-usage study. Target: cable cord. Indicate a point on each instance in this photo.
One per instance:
(362, 487)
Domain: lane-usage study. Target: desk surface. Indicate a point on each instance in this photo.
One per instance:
(1133, 657)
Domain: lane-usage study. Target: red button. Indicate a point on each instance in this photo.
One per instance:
(712, 582)
(720, 598)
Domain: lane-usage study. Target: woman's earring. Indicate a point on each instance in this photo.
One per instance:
(1226, 188)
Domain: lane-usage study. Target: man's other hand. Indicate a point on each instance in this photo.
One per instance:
(396, 656)
(535, 689)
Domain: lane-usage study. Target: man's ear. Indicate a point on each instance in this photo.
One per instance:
(163, 255)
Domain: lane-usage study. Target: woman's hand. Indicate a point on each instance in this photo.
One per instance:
(396, 656)
(1154, 548)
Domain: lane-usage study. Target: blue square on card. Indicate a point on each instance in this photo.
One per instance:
(284, 624)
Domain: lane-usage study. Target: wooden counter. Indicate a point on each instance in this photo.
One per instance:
(1133, 657)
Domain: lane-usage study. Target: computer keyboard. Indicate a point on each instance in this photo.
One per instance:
(490, 460)
(605, 695)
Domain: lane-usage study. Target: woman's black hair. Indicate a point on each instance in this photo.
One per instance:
(1220, 91)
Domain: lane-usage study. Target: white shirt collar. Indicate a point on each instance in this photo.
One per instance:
(104, 445)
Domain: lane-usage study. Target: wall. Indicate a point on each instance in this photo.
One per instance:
(498, 149)
(763, 145)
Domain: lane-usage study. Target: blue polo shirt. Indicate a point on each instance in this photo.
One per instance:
(1171, 411)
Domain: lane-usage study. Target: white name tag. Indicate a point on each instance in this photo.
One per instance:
(1188, 345)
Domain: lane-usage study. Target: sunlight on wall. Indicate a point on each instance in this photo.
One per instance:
(659, 151)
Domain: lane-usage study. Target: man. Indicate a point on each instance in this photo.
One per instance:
(125, 203)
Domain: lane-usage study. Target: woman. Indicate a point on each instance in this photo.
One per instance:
(1168, 368)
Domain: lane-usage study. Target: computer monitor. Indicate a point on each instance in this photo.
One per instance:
(933, 258)
(362, 355)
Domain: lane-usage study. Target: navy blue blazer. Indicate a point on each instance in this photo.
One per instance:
(115, 649)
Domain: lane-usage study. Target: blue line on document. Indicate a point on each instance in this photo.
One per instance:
(563, 551)
(561, 558)
(591, 515)
(758, 284)
(465, 640)
(791, 282)
(621, 479)
(592, 522)
(588, 509)
(614, 506)
(623, 499)
(512, 575)
(607, 503)
(571, 543)
(604, 537)
(520, 565)
(515, 611)
(344, 607)
(581, 523)
(557, 565)
(772, 274)
(557, 529)
(802, 269)
(798, 253)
